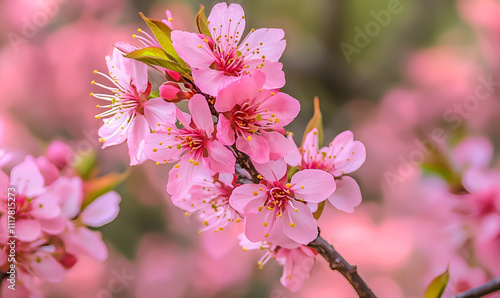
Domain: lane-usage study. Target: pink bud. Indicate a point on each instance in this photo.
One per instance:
(59, 154)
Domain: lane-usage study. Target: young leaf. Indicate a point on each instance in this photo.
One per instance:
(316, 121)
(162, 33)
(99, 186)
(437, 286)
(156, 56)
(202, 23)
(321, 207)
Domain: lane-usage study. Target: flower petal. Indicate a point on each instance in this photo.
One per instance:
(135, 141)
(222, 159)
(347, 195)
(245, 194)
(157, 111)
(300, 225)
(102, 210)
(254, 146)
(186, 44)
(200, 113)
(312, 185)
(27, 229)
(26, 178)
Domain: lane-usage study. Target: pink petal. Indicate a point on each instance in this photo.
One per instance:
(53, 226)
(210, 80)
(132, 72)
(317, 185)
(473, 152)
(274, 74)
(222, 159)
(272, 47)
(225, 134)
(293, 157)
(259, 224)
(219, 19)
(45, 206)
(257, 147)
(167, 151)
(305, 227)
(47, 267)
(244, 89)
(187, 44)
(348, 158)
(4, 184)
(83, 240)
(272, 170)
(200, 112)
(245, 194)
(27, 229)
(279, 145)
(136, 134)
(70, 194)
(111, 131)
(26, 178)
(102, 210)
(310, 146)
(180, 179)
(347, 195)
(49, 171)
(157, 111)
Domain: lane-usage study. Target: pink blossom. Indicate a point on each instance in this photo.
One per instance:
(276, 211)
(223, 57)
(254, 118)
(193, 145)
(342, 156)
(208, 198)
(59, 154)
(297, 262)
(129, 104)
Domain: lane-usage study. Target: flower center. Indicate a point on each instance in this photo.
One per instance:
(231, 63)
(191, 140)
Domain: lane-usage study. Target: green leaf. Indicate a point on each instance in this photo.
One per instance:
(154, 94)
(316, 121)
(437, 286)
(162, 33)
(202, 23)
(99, 186)
(155, 56)
(321, 207)
(84, 164)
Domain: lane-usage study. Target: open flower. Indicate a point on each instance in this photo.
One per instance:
(276, 211)
(254, 117)
(226, 55)
(341, 157)
(128, 104)
(208, 198)
(193, 145)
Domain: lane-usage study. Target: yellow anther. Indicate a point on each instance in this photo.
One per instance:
(260, 208)
(292, 224)
(265, 224)
(302, 186)
(296, 210)
(177, 166)
(272, 93)
(191, 160)
(97, 116)
(199, 46)
(186, 214)
(157, 163)
(101, 140)
(238, 220)
(170, 19)
(266, 235)
(95, 71)
(260, 188)
(196, 163)
(260, 176)
(255, 193)
(155, 150)
(288, 185)
(249, 138)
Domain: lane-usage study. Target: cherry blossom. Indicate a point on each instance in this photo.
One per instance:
(222, 57)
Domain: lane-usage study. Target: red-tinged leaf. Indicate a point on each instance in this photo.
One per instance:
(97, 187)
(315, 122)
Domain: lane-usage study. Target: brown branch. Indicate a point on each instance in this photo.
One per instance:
(337, 262)
(488, 288)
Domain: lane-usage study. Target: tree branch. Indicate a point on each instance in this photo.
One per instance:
(488, 288)
(337, 262)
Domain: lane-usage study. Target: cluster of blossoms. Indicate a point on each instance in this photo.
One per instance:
(234, 161)
(46, 214)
